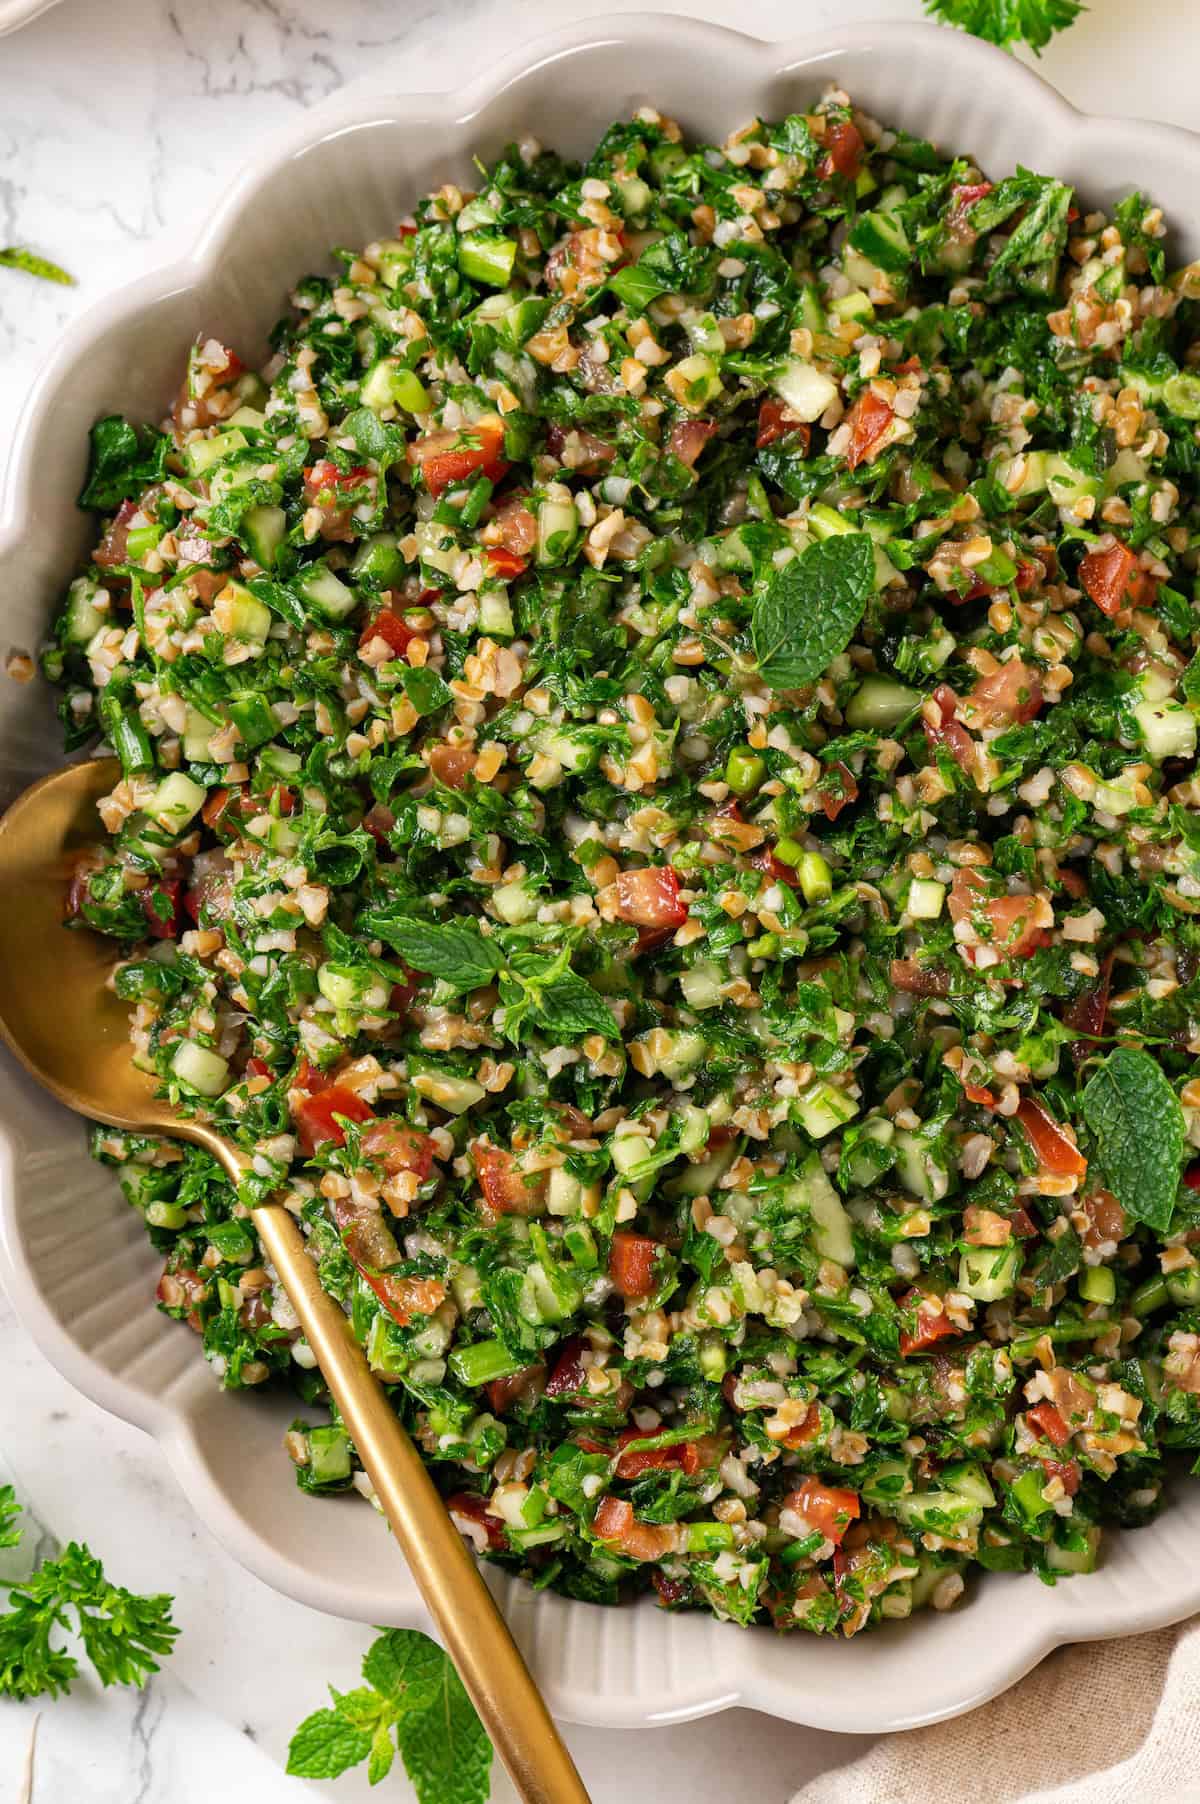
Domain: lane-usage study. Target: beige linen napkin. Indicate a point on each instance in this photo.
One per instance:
(1097, 1723)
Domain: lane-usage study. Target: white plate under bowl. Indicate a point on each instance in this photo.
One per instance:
(73, 1256)
(15, 13)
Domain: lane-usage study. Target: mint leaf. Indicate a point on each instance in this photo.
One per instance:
(425, 690)
(10, 1509)
(1137, 1123)
(444, 1749)
(808, 611)
(362, 1708)
(326, 1745)
(383, 1752)
(455, 951)
(405, 1667)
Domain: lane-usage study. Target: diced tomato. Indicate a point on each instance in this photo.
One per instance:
(314, 1116)
(1088, 1013)
(919, 980)
(631, 1264)
(837, 789)
(685, 1455)
(1106, 1220)
(964, 195)
(504, 1392)
(776, 421)
(505, 564)
(162, 926)
(931, 1323)
(329, 490)
(843, 150)
(976, 1093)
(650, 938)
(828, 1509)
(1024, 1226)
(1113, 578)
(948, 730)
(650, 897)
(868, 420)
(401, 997)
(1046, 1421)
(447, 458)
(515, 527)
(398, 1147)
(472, 1508)
(1010, 695)
(508, 1190)
(216, 805)
(378, 821)
(671, 1591)
(391, 629)
(1191, 1177)
(615, 1521)
(568, 1374)
(805, 1431)
(403, 1298)
(1056, 1155)
(774, 868)
(1010, 919)
(594, 452)
(114, 546)
(1067, 1470)
(195, 1293)
(256, 1067)
(451, 764)
(687, 439)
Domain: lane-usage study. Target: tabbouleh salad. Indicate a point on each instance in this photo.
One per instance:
(658, 738)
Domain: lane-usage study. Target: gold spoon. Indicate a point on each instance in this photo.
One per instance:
(71, 1033)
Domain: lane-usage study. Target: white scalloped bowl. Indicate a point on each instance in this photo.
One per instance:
(72, 1255)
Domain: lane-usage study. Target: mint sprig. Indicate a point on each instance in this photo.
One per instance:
(1137, 1122)
(413, 1701)
(808, 611)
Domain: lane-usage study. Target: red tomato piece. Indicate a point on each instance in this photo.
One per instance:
(403, 1298)
(805, 1431)
(114, 546)
(328, 489)
(1010, 695)
(471, 1509)
(216, 805)
(447, 458)
(378, 821)
(650, 897)
(1112, 577)
(391, 629)
(505, 564)
(315, 1116)
(631, 1264)
(162, 927)
(451, 764)
(1009, 919)
(949, 731)
(568, 1373)
(1067, 1470)
(837, 789)
(774, 868)
(976, 1093)
(776, 421)
(507, 1190)
(670, 1591)
(828, 1509)
(868, 419)
(1191, 1177)
(1056, 1155)
(843, 150)
(931, 1323)
(919, 980)
(515, 527)
(687, 439)
(1046, 1421)
(398, 1147)
(588, 454)
(615, 1521)
(504, 1392)
(1089, 1012)
(964, 195)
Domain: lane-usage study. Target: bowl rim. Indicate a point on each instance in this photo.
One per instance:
(372, 101)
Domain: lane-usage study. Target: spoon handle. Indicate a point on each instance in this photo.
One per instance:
(476, 1636)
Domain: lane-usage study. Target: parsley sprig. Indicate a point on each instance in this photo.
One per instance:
(412, 1699)
(1009, 22)
(123, 1634)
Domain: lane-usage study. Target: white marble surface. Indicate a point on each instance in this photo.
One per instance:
(120, 123)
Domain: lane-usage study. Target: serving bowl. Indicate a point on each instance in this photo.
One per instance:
(73, 1257)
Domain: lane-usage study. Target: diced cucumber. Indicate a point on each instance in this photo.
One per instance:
(198, 730)
(925, 899)
(487, 259)
(557, 531)
(806, 390)
(175, 802)
(988, 1273)
(628, 1148)
(1125, 467)
(253, 418)
(388, 383)
(1033, 474)
(822, 1109)
(701, 984)
(83, 618)
(685, 1052)
(919, 1169)
(969, 1479)
(864, 1169)
(393, 259)
(1182, 395)
(881, 702)
(453, 1094)
(855, 305)
(264, 529)
(636, 196)
(200, 1068)
(200, 456)
(379, 561)
(831, 1235)
(328, 1454)
(514, 903)
(700, 1179)
(241, 614)
(880, 236)
(696, 381)
(1081, 1552)
(495, 614)
(938, 1512)
(1168, 729)
(1098, 1284)
(704, 334)
(1067, 484)
(344, 988)
(326, 592)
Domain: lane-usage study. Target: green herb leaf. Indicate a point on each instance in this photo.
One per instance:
(10, 1509)
(1009, 22)
(383, 1752)
(568, 1007)
(124, 459)
(14, 257)
(326, 1745)
(445, 1751)
(808, 611)
(455, 951)
(1138, 1125)
(405, 1667)
(425, 690)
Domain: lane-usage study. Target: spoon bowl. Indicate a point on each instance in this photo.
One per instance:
(60, 1018)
